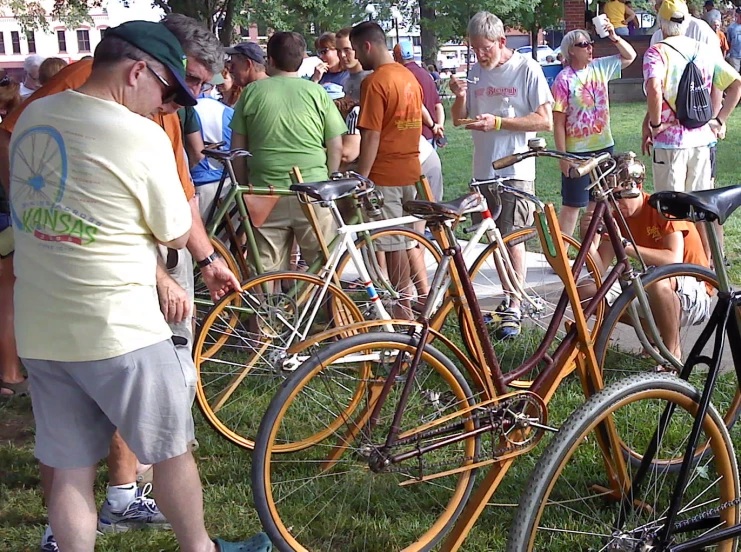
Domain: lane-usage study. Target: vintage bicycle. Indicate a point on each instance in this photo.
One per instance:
(584, 495)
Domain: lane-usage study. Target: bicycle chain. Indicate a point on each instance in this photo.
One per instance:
(486, 413)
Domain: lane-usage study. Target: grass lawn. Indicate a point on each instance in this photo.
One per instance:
(225, 469)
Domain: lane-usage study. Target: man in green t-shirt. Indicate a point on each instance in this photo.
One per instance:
(287, 122)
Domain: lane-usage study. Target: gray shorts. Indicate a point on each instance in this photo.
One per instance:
(179, 264)
(516, 212)
(694, 300)
(146, 394)
(394, 198)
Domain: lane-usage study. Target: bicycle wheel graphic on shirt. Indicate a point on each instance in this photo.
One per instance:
(38, 168)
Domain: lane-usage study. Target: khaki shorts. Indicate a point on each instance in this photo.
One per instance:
(516, 212)
(179, 263)
(394, 198)
(147, 394)
(694, 300)
(285, 222)
(682, 170)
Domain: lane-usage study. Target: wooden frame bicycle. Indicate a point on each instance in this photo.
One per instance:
(375, 436)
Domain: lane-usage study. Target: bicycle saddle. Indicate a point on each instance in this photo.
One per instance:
(438, 212)
(328, 190)
(223, 155)
(708, 205)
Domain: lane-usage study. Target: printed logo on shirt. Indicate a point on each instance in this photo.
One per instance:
(491, 91)
(38, 169)
(407, 116)
(654, 232)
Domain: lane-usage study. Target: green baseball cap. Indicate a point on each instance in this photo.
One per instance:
(157, 41)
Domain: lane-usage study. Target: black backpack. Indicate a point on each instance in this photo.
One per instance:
(694, 108)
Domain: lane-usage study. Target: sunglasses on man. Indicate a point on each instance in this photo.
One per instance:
(584, 44)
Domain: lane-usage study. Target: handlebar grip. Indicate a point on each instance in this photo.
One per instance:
(588, 166)
(507, 161)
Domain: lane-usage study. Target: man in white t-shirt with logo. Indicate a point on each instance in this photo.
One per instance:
(94, 190)
(510, 99)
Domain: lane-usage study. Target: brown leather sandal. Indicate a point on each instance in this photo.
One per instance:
(20, 389)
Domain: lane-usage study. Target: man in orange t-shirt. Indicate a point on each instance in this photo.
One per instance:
(675, 302)
(390, 128)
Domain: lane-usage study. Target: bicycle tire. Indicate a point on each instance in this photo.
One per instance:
(623, 359)
(202, 297)
(550, 485)
(545, 292)
(246, 349)
(348, 278)
(366, 524)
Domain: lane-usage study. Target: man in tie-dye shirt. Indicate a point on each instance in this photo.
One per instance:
(681, 157)
(581, 112)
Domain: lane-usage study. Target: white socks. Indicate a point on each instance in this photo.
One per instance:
(120, 496)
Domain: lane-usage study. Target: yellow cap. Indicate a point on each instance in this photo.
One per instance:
(674, 10)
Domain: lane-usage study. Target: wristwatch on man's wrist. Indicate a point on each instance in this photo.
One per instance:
(208, 260)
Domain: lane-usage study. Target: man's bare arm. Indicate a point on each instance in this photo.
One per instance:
(369, 142)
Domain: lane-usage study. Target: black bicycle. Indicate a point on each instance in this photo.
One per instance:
(643, 503)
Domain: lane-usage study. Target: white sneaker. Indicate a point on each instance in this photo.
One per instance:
(141, 513)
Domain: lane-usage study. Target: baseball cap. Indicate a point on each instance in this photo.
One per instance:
(248, 49)
(674, 10)
(335, 91)
(157, 41)
(709, 4)
(405, 50)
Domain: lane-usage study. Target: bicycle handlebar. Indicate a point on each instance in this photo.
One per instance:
(582, 166)
(589, 165)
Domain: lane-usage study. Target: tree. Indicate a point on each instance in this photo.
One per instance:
(217, 15)
(308, 17)
(533, 16)
(32, 15)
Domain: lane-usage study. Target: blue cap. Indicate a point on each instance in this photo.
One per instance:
(406, 50)
(335, 91)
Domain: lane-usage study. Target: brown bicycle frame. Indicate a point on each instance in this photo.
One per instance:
(577, 347)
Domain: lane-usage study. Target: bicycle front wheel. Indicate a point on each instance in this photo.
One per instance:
(241, 350)
(570, 502)
(542, 291)
(621, 353)
(341, 494)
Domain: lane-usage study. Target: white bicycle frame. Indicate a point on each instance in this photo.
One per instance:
(299, 330)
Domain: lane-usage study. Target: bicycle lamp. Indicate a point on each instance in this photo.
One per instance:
(630, 175)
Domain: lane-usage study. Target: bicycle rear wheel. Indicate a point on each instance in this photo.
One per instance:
(620, 352)
(423, 253)
(568, 506)
(337, 495)
(241, 350)
(543, 289)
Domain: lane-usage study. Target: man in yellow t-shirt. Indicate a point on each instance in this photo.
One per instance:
(94, 190)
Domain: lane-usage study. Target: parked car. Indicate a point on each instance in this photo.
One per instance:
(543, 52)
